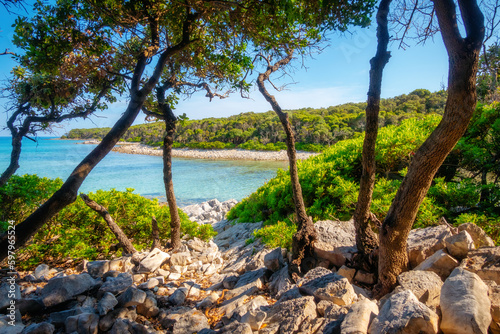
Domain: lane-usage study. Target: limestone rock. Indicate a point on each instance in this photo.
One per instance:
(403, 313)
(208, 301)
(85, 323)
(41, 272)
(180, 259)
(425, 285)
(485, 262)
(440, 263)
(179, 296)
(292, 313)
(97, 268)
(480, 238)
(248, 283)
(347, 273)
(280, 282)
(106, 322)
(336, 241)
(359, 317)
(331, 286)
(131, 297)
(365, 277)
(41, 328)
(423, 242)
(274, 260)
(236, 328)
(116, 285)
(107, 303)
(150, 284)
(61, 289)
(465, 305)
(149, 307)
(459, 245)
(254, 319)
(153, 261)
(185, 321)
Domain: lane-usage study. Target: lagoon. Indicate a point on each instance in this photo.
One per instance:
(195, 180)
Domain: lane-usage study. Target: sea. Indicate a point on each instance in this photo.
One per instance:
(195, 180)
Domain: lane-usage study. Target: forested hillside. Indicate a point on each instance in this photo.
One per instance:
(314, 128)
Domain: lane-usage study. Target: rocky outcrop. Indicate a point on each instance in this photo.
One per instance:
(209, 212)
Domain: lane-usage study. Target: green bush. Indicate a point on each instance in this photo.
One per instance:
(79, 232)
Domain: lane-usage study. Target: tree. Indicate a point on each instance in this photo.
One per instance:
(463, 53)
(489, 74)
(366, 240)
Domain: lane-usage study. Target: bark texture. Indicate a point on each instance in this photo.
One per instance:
(463, 56)
(155, 234)
(366, 239)
(125, 243)
(303, 240)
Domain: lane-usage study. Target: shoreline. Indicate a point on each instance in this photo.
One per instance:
(229, 154)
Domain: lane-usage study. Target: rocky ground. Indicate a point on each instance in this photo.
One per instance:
(230, 285)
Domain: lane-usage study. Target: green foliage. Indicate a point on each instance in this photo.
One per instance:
(80, 232)
(314, 128)
(490, 224)
(277, 235)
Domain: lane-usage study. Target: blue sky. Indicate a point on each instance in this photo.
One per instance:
(338, 75)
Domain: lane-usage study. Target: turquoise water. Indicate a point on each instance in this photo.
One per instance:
(195, 180)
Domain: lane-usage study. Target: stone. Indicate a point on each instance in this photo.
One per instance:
(423, 242)
(248, 283)
(274, 260)
(425, 285)
(480, 238)
(149, 307)
(181, 259)
(254, 319)
(293, 313)
(347, 273)
(41, 328)
(230, 281)
(440, 263)
(84, 323)
(120, 327)
(97, 268)
(183, 322)
(336, 241)
(365, 277)
(163, 272)
(153, 261)
(359, 317)
(236, 328)
(494, 295)
(255, 305)
(330, 286)
(7, 289)
(150, 284)
(459, 245)
(229, 306)
(174, 276)
(280, 282)
(197, 244)
(178, 269)
(107, 303)
(208, 301)
(179, 296)
(62, 289)
(403, 313)
(30, 305)
(116, 285)
(465, 305)
(41, 272)
(131, 297)
(106, 322)
(485, 262)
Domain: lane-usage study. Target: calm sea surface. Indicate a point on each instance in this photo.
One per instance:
(195, 180)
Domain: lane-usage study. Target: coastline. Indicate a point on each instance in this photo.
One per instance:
(230, 154)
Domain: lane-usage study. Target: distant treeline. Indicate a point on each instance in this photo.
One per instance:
(314, 128)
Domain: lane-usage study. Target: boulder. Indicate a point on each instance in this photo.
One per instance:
(106, 322)
(62, 289)
(254, 318)
(494, 294)
(359, 317)
(459, 245)
(179, 296)
(347, 273)
(440, 262)
(116, 285)
(403, 313)
(180, 259)
(291, 314)
(336, 241)
(153, 261)
(280, 282)
(97, 268)
(185, 321)
(149, 284)
(364, 277)
(425, 285)
(480, 238)
(331, 286)
(423, 242)
(131, 297)
(274, 260)
(465, 305)
(485, 262)
(149, 307)
(248, 283)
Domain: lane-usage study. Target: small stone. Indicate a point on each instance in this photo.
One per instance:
(459, 245)
(208, 301)
(465, 305)
(150, 284)
(485, 263)
(331, 286)
(131, 297)
(254, 319)
(174, 276)
(347, 273)
(365, 277)
(274, 260)
(293, 313)
(179, 296)
(181, 259)
(97, 268)
(425, 285)
(359, 317)
(480, 238)
(153, 261)
(41, 272)
(163, 272)
(41, 328)
(116, 285)
(85, 323)
(423, 242)
(149, 307)
(190, 321)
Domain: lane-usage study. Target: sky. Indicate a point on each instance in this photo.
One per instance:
(337, 75)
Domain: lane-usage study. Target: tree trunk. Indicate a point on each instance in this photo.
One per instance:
(125, 243)
(168, 141)
(155, 234)
(463, 56)
(366, 239)
(303, 240)
(14, 158)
